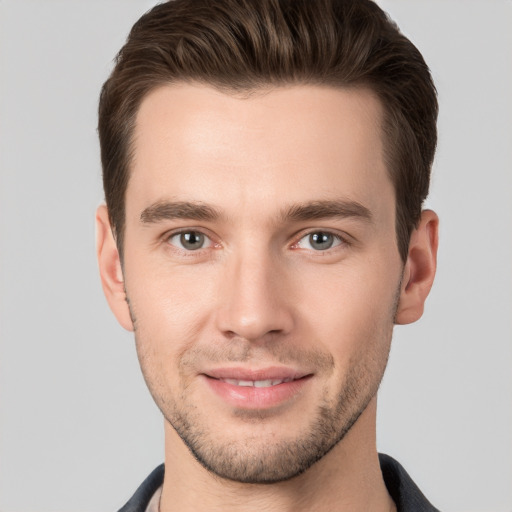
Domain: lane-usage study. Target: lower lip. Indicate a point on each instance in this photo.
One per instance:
(249, 397)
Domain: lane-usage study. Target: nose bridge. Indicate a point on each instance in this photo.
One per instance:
(253, 300)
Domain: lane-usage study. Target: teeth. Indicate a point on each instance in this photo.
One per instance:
(245, 383)
(255, 383)
(265, 383)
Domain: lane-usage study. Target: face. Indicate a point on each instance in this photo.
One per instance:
(261, 270)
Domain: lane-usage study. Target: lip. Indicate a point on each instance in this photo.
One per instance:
(270, 373)
(254, 398)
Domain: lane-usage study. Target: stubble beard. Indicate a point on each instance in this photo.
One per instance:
(257, 460)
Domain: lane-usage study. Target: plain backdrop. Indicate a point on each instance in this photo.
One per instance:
(78, 429)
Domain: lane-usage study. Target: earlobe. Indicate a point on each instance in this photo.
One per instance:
(111, 272)
(419, 270)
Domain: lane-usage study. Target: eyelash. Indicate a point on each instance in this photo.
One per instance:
(189, 252)
(339, 240)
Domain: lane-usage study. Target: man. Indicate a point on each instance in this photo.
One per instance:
(265, 165)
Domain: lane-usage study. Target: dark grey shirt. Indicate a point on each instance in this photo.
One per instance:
(405, 493)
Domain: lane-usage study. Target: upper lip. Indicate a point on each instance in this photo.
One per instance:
(251, 374)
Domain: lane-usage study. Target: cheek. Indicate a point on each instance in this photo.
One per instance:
(167, 296)
(350, 308)
(354, 323)
(170, 308)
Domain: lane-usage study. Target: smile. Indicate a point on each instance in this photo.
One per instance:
(241, 388)
(256, 383)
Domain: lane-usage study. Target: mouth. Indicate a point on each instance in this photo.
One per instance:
(256, 389)
(256, 383)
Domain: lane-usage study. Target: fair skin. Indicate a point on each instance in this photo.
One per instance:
(263, 280)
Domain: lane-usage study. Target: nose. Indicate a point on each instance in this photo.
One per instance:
(254, 298)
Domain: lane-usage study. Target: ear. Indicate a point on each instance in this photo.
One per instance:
(419, 270)
(111, 272)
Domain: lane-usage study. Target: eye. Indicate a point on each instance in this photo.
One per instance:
(319, 241)
(190, 240)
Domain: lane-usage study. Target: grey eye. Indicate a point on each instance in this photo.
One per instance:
(321, 241)
(190, 240)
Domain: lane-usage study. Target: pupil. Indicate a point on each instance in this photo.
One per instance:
(192, 240)
(321, 240)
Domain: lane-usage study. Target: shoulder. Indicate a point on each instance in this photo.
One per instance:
(140, 500)
(405, 493)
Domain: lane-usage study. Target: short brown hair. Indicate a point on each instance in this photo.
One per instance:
(242, 45)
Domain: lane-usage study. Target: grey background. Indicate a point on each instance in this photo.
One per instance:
(78, 430)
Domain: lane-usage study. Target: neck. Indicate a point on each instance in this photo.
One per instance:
(348, 478)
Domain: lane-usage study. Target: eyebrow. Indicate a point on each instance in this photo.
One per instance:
(316, 210)
(169, 210)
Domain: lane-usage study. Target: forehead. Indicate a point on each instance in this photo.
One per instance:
(193, 142)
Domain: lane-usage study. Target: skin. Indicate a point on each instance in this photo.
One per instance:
(257, 177)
